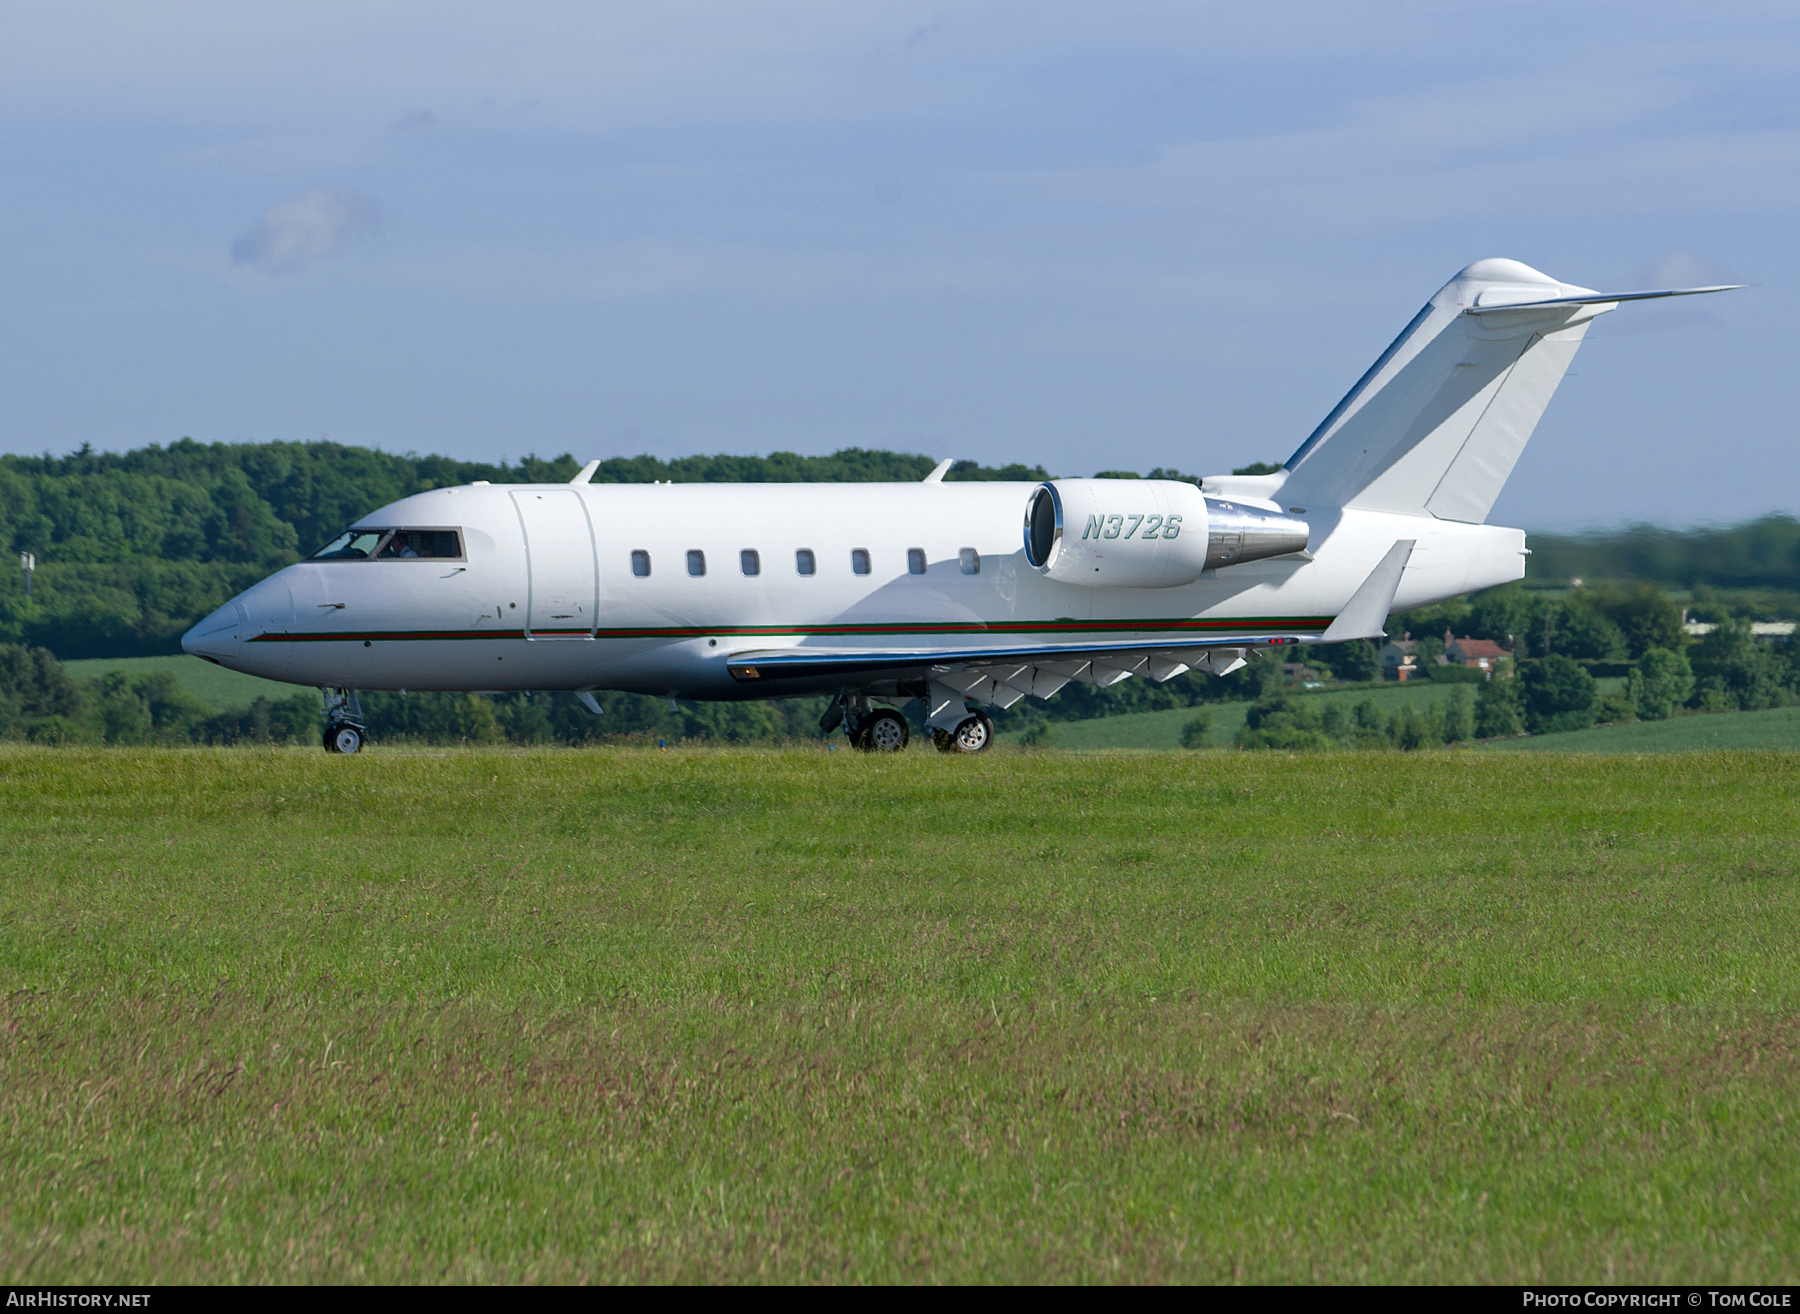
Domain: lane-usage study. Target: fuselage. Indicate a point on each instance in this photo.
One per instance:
(651, 588)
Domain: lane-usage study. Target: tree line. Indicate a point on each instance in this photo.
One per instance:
(1758, 554)
(1728, 669)
(134, 547)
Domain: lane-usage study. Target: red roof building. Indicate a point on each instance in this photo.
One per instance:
(1483, 654)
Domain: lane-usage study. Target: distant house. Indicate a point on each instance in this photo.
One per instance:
(1399, 659)
(1484, 654)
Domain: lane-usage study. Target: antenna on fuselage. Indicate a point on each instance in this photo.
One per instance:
(939, 471)
(586, 472)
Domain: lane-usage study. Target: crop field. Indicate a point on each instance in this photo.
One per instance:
(1775, 727)
(616, 1015)
(216, 686)
(1163, 729)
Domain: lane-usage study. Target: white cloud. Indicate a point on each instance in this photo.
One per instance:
(314, 227)
(1682, 269)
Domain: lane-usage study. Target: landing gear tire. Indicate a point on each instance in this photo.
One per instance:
(974, 735)
(343, 738)
(884, 732)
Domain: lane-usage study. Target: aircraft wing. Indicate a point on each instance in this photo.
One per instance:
(1005, 675)
(1001, 675)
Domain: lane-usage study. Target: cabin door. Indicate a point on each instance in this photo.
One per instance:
(559, 554)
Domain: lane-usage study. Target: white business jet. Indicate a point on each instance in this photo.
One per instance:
(959, 595)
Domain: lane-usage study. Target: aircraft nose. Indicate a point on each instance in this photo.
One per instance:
(218, 638)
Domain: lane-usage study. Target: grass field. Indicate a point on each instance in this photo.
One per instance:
(718, 1015)
(218, 688)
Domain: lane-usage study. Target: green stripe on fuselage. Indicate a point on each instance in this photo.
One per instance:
(1259, 624)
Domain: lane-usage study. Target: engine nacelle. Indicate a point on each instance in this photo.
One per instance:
(1146, 533)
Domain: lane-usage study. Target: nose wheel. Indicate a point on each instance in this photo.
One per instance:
(343, 722)
(343, 738)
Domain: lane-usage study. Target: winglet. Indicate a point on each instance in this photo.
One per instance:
(938, 471)
(1365, 615)
(586, 472)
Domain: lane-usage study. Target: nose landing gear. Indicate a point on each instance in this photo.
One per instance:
(343, 738)
(344, 731)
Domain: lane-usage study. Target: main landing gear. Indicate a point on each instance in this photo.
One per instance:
(974, 735)
(885, 731)
(872, 729)
(954, 728)
(344, 731)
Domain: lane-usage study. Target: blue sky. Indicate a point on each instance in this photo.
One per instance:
(1092, 236)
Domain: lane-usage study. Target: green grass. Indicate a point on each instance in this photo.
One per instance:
(217, 687)
(1776, 728)
(738, 1015)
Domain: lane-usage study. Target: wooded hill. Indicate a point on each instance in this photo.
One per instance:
(133, 548)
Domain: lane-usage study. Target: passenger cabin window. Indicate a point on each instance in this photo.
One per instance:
(859, 560)
(351, 545)
(696, 563)
(435, 544)
(803, 561)
(640, 564)
(751, 563)
(971, 561)
(915, 561)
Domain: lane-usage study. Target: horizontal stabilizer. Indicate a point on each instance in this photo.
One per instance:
(1486, 307)
(1365, 615)
(1436, 425)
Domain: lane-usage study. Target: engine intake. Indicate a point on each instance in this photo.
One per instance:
(1146, 533)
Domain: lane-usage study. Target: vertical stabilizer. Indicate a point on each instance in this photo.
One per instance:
(1437, 424)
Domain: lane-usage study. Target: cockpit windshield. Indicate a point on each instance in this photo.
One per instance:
(393, 545)
(351, 545)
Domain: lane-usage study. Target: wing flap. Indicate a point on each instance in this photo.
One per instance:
(980, 677)
(1092, 663)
